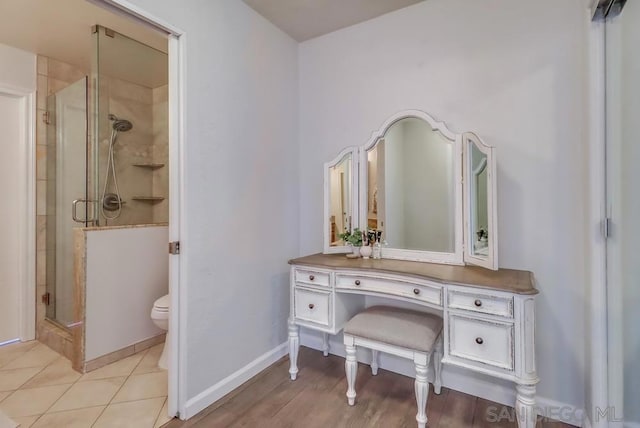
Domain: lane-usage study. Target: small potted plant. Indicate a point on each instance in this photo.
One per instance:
(354, 239)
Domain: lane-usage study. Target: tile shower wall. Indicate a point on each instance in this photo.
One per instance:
(146, 143)
(161, 152)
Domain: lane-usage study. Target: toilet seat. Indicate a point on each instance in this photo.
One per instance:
(162, 304)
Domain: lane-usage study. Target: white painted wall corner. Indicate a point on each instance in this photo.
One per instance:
(234, 380)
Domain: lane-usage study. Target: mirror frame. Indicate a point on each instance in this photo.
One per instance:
(491, 260)
(463, 174)
(456, 257)
(353, 150)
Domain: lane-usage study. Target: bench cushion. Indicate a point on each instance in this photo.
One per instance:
(395, 326)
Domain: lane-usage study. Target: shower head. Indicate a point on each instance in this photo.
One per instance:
(120, 125)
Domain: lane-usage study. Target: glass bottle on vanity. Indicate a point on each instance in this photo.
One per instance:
(377, 246)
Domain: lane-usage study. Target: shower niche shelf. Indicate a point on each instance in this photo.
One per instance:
(149, 199)
(149, 165)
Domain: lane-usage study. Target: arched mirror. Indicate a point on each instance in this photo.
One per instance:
(480, 203)
(410, 189)
(340, 200)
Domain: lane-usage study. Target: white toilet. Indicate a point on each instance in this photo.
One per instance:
(160, 317)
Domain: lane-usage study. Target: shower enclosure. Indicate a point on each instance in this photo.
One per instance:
(107, 151)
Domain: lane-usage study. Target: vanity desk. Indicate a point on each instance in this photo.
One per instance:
(427, 197)
(488, 315)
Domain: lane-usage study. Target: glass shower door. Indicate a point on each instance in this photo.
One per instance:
(67, 205)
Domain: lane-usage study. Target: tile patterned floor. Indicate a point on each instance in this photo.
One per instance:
(38, 388)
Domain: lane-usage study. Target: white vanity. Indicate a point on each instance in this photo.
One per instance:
(432, 193)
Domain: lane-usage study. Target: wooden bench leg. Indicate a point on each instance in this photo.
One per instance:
(422, 390)
(374, 362)
(437, 365)
(351, 369)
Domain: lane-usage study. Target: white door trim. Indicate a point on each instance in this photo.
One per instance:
(597, 302)
(27, 206)
(177, 186)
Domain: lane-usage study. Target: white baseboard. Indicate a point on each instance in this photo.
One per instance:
(496, 390)
(562, 412)
(587, 424)
(214, 393)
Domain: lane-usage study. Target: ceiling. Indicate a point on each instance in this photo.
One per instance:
(61, 29)
(306, 19)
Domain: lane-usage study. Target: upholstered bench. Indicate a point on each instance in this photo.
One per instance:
(401, 332)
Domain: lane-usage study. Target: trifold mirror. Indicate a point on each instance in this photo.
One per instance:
(430, 193)
(340, 192)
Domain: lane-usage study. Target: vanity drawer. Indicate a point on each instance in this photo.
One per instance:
(487, 342)
(483, 303)
(414, 291)
(313, 306)
(312, 277)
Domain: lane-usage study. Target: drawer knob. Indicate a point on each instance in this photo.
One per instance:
(311, 306)
(357, 282)
(416, 291)
(311, 278)
(478, 302)
(479, 340)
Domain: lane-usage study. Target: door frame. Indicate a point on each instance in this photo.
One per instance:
(596, 309)
(177, 226)
(27, 206)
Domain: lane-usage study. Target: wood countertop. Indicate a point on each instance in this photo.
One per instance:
(509, 280)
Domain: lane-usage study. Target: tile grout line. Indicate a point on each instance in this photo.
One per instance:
(144, 353)
(119, 389)
(2, 368)
(36, 374)
(18, 356)
(132, 372)
(20, 387)
(155, 422)
(52, 404)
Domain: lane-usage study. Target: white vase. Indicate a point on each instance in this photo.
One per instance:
(356, 251)
(365, 251)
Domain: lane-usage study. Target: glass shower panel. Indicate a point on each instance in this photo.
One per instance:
(66, 193)
(623, 204)
(130, 180)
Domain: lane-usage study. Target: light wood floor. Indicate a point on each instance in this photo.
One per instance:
(317, 400)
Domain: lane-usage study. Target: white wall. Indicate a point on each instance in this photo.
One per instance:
(11, 145)
(127, 270)
(17, 68)
(17, 71)
(241, 166)
(514, 72)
